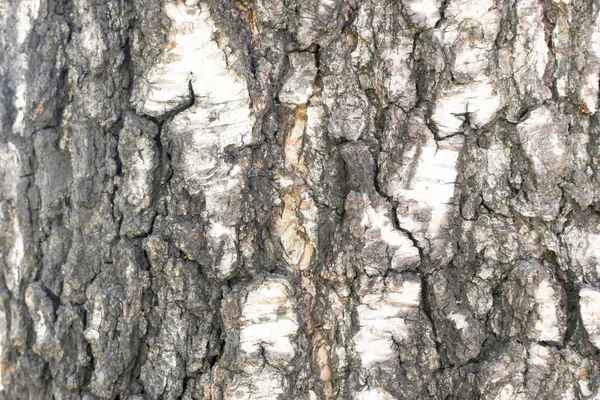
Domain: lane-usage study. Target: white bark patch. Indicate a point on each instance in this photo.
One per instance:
(401, 250)
(594, 48)
(530, 52)
(589, 89)
(562, 46)
(459, 320)
(192, 53)
(471, 58)
(583, 245)
(468, 34)
(15, 257)
(532, 302)
(298, 82)
(539, 356)
(589, 306)
(423, 13)
(584, 387)
(42, 313)
(385, 316)
(462, 14)
(426, 191)
(10, 169)
(373, 394)
(591, 74)
(478, 100)
(27, 11)
(220, 117)
(547, 325)
(92, 333)
(269, 322)
(222, 106)
(543, 140)
(470, 29)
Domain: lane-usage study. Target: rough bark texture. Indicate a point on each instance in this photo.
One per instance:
(299, 199)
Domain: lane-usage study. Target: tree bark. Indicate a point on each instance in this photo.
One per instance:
(299, 199)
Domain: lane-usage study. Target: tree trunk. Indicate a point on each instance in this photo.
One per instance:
(299, 199)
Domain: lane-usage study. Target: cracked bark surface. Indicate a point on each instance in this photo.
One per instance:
(286, 199)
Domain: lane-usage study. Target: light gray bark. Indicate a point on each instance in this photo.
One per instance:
(299, 199)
